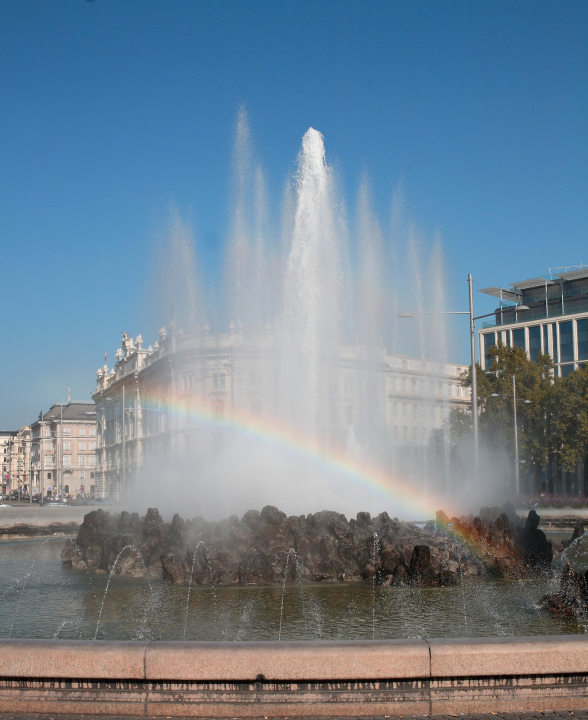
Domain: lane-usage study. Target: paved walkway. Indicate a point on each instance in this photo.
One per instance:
(539, 715)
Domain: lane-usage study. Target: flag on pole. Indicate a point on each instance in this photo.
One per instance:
(105, 356)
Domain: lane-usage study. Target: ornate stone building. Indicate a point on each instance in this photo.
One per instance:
(153, 399)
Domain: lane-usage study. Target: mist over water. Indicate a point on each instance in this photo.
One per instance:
(312, 294)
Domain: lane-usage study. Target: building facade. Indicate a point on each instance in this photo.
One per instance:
(13, 454)
(555, 323)
(6, 438)
(152, 400)
(63, 450)
(15, 447)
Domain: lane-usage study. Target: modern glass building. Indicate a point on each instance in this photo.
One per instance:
(555, 323)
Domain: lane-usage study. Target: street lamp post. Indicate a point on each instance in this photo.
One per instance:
(42, 459)
(124, 457)
(516, 431)
(61, 449)
(516, 437)
(473, 374)
(474, 393)
(55, 459)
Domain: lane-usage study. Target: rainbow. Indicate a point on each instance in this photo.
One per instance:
(410, 502)
(270, 431)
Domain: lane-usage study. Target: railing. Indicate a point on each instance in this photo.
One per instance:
(509, 317)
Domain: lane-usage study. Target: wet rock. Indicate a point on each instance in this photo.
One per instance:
(175, 569)
(421, 570)
(572, 597)
(268, 547)
(578, 531)
(536, 550)
(441, 520)
(506, 546)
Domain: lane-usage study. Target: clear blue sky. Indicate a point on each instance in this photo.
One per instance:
(111, 109)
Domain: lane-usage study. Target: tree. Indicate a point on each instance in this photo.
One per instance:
(552, 426)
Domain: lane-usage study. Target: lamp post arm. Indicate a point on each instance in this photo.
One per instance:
(443, 312)
(474, 389)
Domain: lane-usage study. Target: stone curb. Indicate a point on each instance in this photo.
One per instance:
(252, 679)
(291, 661)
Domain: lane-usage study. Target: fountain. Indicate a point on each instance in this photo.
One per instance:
(314, 419)
(318, 396)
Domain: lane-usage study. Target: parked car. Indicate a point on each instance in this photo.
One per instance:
(51, 502)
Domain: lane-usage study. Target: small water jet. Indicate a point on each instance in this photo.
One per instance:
(201, 543)
(126, 547)
(374, 577)
(463, 600)
(291, 552)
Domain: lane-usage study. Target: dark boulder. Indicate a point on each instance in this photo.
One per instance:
(572, 597)
(534, 546)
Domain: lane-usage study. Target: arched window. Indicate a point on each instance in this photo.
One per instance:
(66, 489)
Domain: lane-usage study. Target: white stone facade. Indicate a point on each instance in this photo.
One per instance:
(146, 402)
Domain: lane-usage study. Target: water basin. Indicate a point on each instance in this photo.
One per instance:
(51, 600)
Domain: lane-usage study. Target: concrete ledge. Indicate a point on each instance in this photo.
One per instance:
(287, 661)
(72, 659)
(547, 655)
(246, 679)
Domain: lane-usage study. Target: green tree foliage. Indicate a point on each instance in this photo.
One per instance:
(552, 413)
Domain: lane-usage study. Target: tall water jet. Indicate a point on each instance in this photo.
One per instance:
(312, 285)
(315, 360)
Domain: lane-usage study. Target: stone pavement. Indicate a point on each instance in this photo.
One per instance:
(538, 715)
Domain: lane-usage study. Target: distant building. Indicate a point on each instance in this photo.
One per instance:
(6, 439)
(145, 402)
(15, 457)
(63, 449)
(555, 324)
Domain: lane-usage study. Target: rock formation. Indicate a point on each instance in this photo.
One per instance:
(261, 546)
(572, 596)
(507, 546)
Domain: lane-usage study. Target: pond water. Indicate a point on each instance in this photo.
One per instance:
(40, 598)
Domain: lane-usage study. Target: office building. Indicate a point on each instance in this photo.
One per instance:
(543, 315)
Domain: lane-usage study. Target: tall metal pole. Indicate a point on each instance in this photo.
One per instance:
(42, 480)
(124, 455)
(516, 438)
(18, 454)
(232, 379)
(30, 464)
(60, 489)
(474, 383)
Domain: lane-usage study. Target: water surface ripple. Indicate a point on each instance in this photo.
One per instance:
(52, 600)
